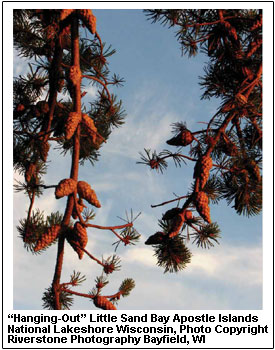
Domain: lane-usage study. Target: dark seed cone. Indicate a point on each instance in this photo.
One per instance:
(71, 124)
(44, 150)
(178, 221)
(182, 139)
(202, 170)
(103, 303)
(80, 207)
(30, 172)
(88, 19)
(201, 203)
(78, 238)
(171, 213)
(86, 192)
(89, 126)
(156, 238)
(47, 238)
(65, 188)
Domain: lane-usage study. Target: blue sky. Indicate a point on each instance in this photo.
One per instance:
(161, 88)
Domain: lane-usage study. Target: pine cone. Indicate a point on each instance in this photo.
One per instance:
(47, 238)
(171, 213)
(201, 203)
(85, 191)
(88, 19)
(65, 188)
(71, 124)
(202, 169)
(30, 172)
(78, 238)
(156, 238)
(182, 139)
(103, 303)
(80, 207)
(89, 126)
(176, 225)
(44, 150)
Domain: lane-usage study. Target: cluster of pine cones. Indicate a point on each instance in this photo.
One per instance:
(77, 235)
(74, 119)
(84, 190)
(176, 218)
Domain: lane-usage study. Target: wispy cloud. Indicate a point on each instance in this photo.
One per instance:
(241, 265)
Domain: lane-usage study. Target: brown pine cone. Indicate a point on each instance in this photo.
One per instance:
(30, 172)
(178, 221)
(88, 19)
(206, 165)
(201, 203)
(78, 238)
(202, 169)
(186, 137)
(80, 206)
(89, 126)
(47, 238)
(156, 238)
(171, 213)
(65, 188)
(81, 232)
(182, 139)
(71, 124)
(44, 150)
(103, 303)
(85, 191)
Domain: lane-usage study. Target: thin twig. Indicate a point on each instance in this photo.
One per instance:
(167, 202)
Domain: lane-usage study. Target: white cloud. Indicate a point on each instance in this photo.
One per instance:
(236, 265)
(91, 92)
(142, 256)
